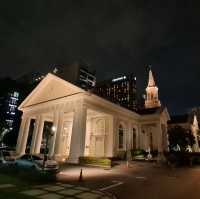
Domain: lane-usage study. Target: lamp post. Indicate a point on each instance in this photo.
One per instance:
(48, 134)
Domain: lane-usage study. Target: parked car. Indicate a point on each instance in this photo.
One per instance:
(8, 155)
(37, 163)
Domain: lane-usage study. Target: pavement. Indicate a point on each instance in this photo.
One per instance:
(141, 180)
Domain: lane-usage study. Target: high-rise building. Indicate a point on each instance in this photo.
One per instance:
(8, 108)
(31, 78)
(121, 90)
(78, 74)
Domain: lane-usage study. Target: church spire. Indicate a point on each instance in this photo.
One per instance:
(151, 82)
(195, 131)
(195, 121)
(152, 100)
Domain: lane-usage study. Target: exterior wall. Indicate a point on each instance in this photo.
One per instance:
(86, 134)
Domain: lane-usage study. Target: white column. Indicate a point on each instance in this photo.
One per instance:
(129, 137)
(110, 138)
(160, 138)
(21, 133)
(39, 135)
(139, 136)
(78, 134)
(53, 140)
(25, 136)
(58, 142)
(34, 136)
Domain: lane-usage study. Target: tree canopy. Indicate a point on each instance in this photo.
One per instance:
(180, 136)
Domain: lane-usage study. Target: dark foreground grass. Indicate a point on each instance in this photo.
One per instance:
(23, 180)
(13, 192)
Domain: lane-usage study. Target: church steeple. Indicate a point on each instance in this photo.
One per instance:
(152, 100)
(151, 79)
(195, 131)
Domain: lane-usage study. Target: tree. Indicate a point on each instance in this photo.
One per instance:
(4, 129)
(180, 136)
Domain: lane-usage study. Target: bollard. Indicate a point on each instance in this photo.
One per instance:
(81, 176)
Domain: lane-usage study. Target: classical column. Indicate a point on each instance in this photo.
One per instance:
(25, 136)
(39, 135)
(34, 136)
(160, 138)
(110, 138)
(21, 133)
(161, 157)
(77, 147)
(139, 136)
(58, 139)
(129, 137)
(53, 139)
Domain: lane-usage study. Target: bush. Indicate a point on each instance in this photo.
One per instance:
(121, 155)
(93, 161)
(195, 160)
(180, 158)
(136, 152)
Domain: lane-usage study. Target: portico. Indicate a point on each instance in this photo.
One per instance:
(85, 124)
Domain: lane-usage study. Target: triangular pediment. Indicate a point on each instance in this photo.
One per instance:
(50, 88)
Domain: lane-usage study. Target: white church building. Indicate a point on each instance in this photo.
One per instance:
(85, 124)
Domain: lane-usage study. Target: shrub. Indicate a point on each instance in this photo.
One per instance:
(138, 154)
(102, 162)
(121, 155)
(195, 160)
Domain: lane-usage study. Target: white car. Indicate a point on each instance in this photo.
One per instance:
(36, 162)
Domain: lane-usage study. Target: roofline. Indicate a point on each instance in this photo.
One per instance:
(49, 75)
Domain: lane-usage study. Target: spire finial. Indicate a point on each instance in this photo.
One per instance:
(195, 121)
(151, 82)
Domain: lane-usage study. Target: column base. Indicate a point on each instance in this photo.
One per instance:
(73, 160)
(59, 158)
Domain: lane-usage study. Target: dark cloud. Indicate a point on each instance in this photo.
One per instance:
(112, 35)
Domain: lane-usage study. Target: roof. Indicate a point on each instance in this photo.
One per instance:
(150, 110)
(179, 119)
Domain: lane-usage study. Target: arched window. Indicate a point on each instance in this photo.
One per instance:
(121, 137)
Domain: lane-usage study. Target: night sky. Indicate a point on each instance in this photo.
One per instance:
(116, 37)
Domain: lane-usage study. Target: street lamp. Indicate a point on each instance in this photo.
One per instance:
(48, 134)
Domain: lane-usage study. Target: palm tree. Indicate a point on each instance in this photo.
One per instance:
(4, 129)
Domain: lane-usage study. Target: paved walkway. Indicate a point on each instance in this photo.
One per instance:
(59, 191)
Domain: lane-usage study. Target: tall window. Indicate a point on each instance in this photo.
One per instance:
(121, 137)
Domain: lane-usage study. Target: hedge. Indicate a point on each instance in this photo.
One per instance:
(93, 161)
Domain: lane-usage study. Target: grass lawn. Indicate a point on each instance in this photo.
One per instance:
(14, 192)
(23, 180)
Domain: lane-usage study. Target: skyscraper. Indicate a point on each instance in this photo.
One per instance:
(78, 74)
(120, 90)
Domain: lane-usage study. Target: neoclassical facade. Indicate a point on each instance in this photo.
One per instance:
(85, 124)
